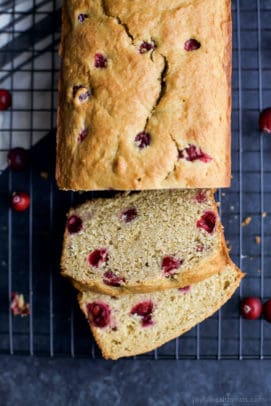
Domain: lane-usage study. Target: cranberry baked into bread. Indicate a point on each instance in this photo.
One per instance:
(144, 241)
(144, 95)
(134, 324)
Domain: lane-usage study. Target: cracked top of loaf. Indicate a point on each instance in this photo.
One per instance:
(144, 94)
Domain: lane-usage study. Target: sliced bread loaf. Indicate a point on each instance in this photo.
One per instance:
(133, 324)
(144, 242)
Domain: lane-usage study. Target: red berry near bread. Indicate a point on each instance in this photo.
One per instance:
(267, 310)
(5, 99)
(18, 158)
(251, 308)
(19, 201)
(265, 120)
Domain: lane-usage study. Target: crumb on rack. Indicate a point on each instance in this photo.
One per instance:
(258, 239)
(223, 194)
(264, 214)
(228, 245)
(258, 270)
(18, 305)
(232, 208)
(246, 221)
(44, 175)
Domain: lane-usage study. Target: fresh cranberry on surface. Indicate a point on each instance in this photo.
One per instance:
(267, 310)
(19, 201)
(5, 99)
(18, 158)
(251, 308)
(265, 120)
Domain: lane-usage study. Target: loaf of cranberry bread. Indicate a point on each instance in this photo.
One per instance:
(144, 95)
(134, 324)
(144, 241)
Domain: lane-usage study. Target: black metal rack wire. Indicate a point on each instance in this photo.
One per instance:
(30, 242)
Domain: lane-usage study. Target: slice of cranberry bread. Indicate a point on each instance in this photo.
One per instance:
(144, 241)
(134, 324)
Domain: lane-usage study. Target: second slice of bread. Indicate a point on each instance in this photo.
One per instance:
(134, 324)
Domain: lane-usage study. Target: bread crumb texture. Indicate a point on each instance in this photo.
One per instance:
(144, 95)
(144, 241)
(134, 324)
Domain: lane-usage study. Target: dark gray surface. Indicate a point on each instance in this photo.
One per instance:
(42, 381)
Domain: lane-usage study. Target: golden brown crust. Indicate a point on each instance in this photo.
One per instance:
(159, 92)
(150, 345)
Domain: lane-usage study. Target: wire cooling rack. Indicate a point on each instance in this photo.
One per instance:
(30, 242)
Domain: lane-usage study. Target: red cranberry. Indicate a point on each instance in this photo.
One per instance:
(185, 289)
(267, 310)
(191, 45)
(201, 196)
(100, 61)
(207, 221)
(128, 215)
(98, 314)
(19, 201)
(82, 135)
(193, 153)
(5, 99)
(146, 47)
(18, 158)
(251, 308)
(265, 120)
(111, 279)
(144, 309)
(97, 257)
(142, 140)
(74, 224)
(170, 264)
(82, 17)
